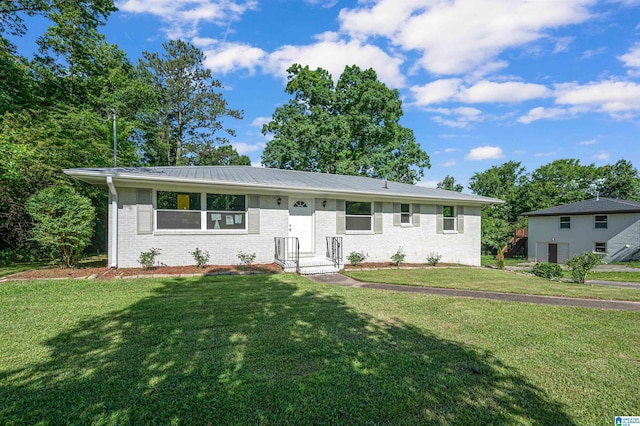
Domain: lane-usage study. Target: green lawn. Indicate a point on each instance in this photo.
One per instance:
(283, 350)
(493, 280)
(490, 260)
(17, 267)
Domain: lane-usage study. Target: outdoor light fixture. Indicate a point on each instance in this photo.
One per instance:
(324, 203)
(279, 200)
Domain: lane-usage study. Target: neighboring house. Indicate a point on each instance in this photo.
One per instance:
(600, 225)
(293, 218)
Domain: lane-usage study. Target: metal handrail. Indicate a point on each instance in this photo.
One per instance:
(287, 249)
(334, 250)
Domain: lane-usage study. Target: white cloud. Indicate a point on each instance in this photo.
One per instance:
(612, 97)
(602, 156)
(322, 3)
(481, 92)
(460, 117)
(631, 59)
(434, 28)
(222, 57)
(333, 55)
(587, 142)
(542, 113)
(260, 121)
(182, 17)
(428, 183)
(449, 164)
(545, 154)
(590, 53)
(245, 148)
(257, 163)
(450, 150)
(485, 153)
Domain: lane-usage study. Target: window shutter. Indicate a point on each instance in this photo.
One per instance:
(253, 214)
(397, 221)
(416, 214)
(377, 218)
(439, 220)
(144, 213)
(460, 220)
(340, 217)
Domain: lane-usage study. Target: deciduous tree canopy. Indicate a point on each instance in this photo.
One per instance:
(349, 128)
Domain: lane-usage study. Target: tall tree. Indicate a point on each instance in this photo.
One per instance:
(190, 110)
(349, 128)
(620, 180)
(449, 183)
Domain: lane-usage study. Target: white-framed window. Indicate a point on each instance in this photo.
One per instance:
(600, 222)
(405, 214)
(178, 210)
(565, 222)
(449, 219)
(226, 211)
(600, 247)
(186, 211)
(358, 216)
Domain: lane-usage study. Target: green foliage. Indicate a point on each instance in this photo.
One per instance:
(356, 257)
(500, 259)
(351, 128)
(148, 258)
(449, 183)
(551, 271)
(246, 258)
(433, 258)
(398, 257)
(581, 264)
(189, 109)
(63, 222)
(201, 257)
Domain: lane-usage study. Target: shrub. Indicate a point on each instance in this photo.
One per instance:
(551, 271)
(201, 257)
(398, 257)
(63, 222)
(148, 258)
(433, 258)
(246, 258)
(500, 259)
(581, 264)
(356, 258)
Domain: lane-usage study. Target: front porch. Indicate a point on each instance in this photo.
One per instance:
(287, 255)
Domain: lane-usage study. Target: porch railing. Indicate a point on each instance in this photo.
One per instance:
(334, 250)
(287, 251)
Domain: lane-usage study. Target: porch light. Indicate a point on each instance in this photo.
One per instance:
(279, 200)
(324, 203)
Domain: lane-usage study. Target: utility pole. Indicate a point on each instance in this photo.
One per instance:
(113, 111)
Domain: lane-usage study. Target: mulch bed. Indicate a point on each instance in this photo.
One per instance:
(389, 265)
(109, 273)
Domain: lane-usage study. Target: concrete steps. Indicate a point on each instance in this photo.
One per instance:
(312, 266)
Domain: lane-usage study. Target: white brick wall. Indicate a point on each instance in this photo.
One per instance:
(417, 242)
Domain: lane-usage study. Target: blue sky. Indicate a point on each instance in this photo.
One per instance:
(482, 81)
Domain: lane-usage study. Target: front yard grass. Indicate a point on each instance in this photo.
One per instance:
(483, 279)
(283, 350)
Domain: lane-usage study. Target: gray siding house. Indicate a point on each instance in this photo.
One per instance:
(601, 225)
(297, 219)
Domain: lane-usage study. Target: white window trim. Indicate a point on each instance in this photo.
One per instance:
(454, 218)
(359, 231)
(560, 223)
(203, 217)
(606, 221)
(409, 213)
(599, 252)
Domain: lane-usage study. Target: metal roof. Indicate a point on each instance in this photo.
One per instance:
(592, 206)
(275, 179)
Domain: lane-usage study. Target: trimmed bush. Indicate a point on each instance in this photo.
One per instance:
(148, 258)
(433, 258)
(356, 257)
(398, 257)
(551, 271)
(246, 258)
(581, 264)
(201, 257)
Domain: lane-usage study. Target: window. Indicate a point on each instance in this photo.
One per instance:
(178, 210)
(601, 222)
(405, 213)
(565, 222)
(358, 216)
(449, 218)
(600, 247)
(226, 211)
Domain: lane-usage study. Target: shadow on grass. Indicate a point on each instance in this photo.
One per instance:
(263, 351)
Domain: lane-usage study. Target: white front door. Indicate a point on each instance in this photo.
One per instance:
(301, 222)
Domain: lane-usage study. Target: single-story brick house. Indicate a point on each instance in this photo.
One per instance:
(600, 225)
(293, 218)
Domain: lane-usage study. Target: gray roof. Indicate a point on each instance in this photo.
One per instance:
(592, 206)
(274, 180)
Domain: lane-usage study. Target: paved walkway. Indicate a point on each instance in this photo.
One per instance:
(342, 280)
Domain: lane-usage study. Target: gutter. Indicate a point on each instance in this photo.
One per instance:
(114, 215)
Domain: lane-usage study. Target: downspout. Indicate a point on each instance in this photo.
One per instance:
(114, 215)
